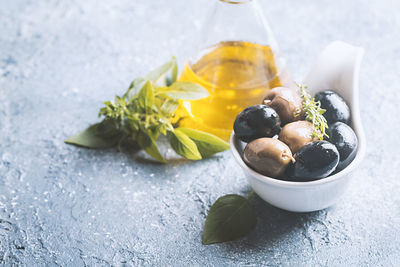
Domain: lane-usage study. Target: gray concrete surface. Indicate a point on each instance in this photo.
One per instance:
(62, 205)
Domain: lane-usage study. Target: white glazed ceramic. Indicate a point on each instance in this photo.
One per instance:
(338, 69)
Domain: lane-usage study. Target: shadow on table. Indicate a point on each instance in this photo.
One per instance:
(136, 154)
(273, 225)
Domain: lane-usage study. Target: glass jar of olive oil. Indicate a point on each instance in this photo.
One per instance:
(237, 61)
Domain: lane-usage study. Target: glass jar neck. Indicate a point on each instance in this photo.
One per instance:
(237, 2)
(236, 20)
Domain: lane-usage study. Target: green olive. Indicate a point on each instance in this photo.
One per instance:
(268, 156)
(297, 134)
(287, 103)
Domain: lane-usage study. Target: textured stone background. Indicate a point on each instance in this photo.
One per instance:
(62, 205)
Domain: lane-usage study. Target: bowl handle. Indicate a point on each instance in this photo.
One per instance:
(338, 69)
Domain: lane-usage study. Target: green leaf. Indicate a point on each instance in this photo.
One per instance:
(99, 135)
(134, 88)
(162, 128)
(115, 110)
(174, 73)
(231, 217)
(146, 96)
(207, 144)
(160, 72)
(185, 91)
(169, 106)
(183, 145)
(149, 145)
(132, 124)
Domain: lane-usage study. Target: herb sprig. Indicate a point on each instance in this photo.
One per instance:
(314, 113)
(146, 111)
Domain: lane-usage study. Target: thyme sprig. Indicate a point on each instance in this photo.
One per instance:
(314, 113)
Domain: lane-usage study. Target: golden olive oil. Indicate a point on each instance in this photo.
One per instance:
(237, 75)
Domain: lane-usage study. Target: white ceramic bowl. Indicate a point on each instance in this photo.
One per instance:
(338, 69)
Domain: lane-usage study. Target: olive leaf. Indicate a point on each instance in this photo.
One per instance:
(183, 145)
(134, 88)
(146, 97)
(174, 74)
(148, 144)
(169, 106)
(99, 135)
(185, 91)
(156, 75)
(230, 217)
(207, 144)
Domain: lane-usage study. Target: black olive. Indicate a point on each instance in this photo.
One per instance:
(346, 142)
(315, 161)
(335, 106)
(256, 122)
(288, 175)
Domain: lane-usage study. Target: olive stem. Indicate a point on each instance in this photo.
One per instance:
(252, 193)
(284, 154)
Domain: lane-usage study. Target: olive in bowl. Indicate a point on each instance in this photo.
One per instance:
(335, 106)
(345, 140)
(256, 122)
(268, 156)
(287, 103)
(297, 134)
(315, 161)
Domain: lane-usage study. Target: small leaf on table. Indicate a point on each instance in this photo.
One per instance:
(183, 145)
(99, 135)
(231, 217)
(207, 144)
